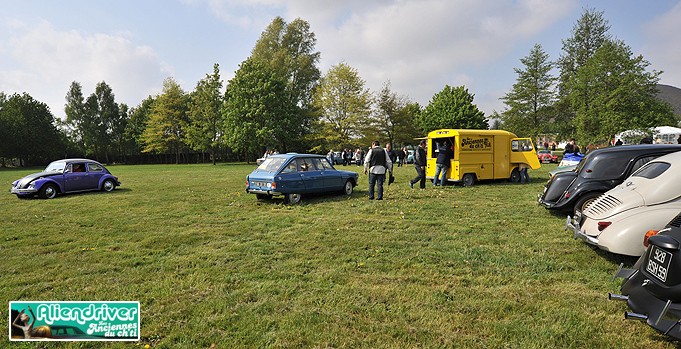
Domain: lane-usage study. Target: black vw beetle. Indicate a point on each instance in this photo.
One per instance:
(598, 172)
(652, 288)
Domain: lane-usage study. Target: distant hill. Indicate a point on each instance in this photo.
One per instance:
(671, 95)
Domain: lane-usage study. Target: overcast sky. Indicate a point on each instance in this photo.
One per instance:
(418, 45)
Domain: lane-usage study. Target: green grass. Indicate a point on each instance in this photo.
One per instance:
(479, 267)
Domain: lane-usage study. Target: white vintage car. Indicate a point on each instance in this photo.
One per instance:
(618, 220)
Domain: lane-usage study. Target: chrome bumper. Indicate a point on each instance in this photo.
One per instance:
(572, 224)
(22, 191)
(266, 192)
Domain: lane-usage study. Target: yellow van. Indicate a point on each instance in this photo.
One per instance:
(482, 154)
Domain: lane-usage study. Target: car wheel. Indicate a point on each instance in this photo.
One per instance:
(585, 201)
(515, 176)
(347, 189)
(468, 180)
(263, 196)
(108, 185)
(48, 191)
(292, 199)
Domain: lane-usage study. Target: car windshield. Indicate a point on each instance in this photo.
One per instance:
(56, 166)
(271, 164)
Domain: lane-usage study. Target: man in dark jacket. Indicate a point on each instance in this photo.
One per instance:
(420, 165)
(443, 162)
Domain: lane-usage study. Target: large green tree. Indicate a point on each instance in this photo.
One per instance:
(104, 113)
(253, 113)
(393, 118)
(530, 101)
(588, 34)
(614, 92)
(344, 106)
(205, 114)
(167, 122)
(137, 123)
(288, 51)
(78, 123)
(452, 108)
(29, 130)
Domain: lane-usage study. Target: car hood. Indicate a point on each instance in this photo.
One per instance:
(24, 182)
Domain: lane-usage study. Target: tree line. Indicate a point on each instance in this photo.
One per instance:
(279, 99)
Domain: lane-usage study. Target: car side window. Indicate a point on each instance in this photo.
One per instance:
(78, 167)
(92, 167)
(290, 168)
(652, 170)
(319, 164)
(305, 165)
(326, 164)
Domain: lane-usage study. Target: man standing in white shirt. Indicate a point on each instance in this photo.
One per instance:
(376, 164)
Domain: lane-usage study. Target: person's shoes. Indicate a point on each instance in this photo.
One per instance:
(411, 185)
(371, 198)
(379, 199)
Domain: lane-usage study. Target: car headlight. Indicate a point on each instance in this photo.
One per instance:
(31, 186)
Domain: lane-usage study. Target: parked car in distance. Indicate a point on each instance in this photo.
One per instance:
(598, 172)
(293, 175)
(66, 176)
(337, 158)
(410, 156)
(618, 220)
(652, 288)
(546, 156)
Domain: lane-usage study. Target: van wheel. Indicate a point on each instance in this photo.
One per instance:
(585, 201)
(515, 176)
(468, 180)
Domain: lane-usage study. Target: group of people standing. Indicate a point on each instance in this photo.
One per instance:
(379, 162)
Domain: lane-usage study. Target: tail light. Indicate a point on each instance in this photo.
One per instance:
(603, 225)
(274, 185)
(567, 195)
(649, 233)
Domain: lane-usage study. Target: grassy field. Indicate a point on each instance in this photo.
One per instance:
(479, 267)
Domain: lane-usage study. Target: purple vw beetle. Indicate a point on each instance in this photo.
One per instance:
(65, 176)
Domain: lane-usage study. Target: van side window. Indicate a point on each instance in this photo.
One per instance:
(521, 145)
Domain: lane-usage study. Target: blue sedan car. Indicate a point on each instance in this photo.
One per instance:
(293, 175)
(65, 176)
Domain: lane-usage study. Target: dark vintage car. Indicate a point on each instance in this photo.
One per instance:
(294, 175)
(598, 172)
(546, 156)
(652, 288)
(66, 176)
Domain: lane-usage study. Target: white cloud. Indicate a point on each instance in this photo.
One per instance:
(663, 48)
(47, 60)
(421, 45)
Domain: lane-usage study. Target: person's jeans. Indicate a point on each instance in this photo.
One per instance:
(421, 176)
(524, 176)
(373, 180)
(440, 168)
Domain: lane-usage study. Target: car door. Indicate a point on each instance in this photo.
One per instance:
(311, 175)
(332, 178)
(75, 177)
